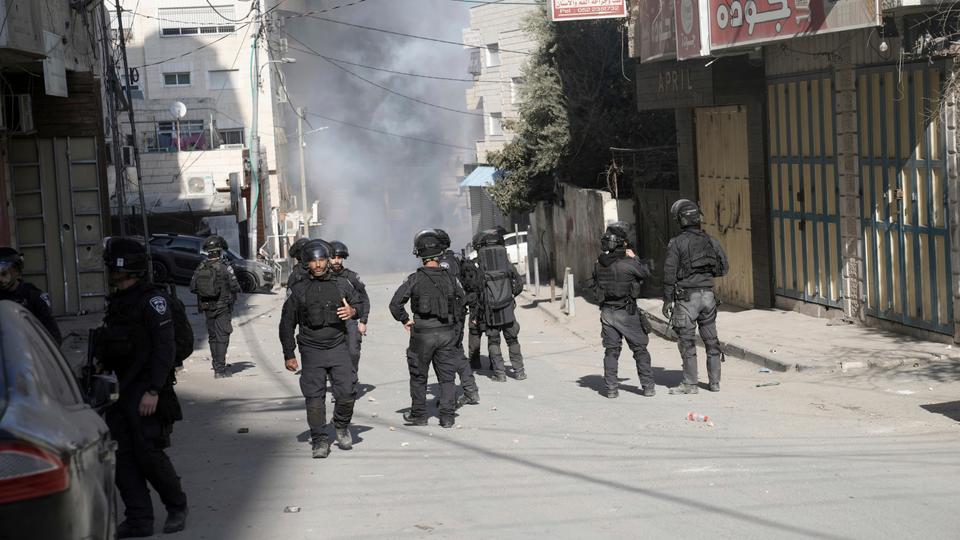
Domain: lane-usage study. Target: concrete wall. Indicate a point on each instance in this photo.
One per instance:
(568, 235)
(25, 22)
(165, 178)
(952, 120)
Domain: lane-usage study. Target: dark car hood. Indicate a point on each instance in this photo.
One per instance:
(250, 266)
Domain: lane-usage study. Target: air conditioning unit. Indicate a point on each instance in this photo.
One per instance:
(17, 113)
(199, 186)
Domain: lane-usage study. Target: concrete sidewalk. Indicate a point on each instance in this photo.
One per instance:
(776, 339)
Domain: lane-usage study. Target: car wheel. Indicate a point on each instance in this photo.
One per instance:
(160, 272)
(248, 282)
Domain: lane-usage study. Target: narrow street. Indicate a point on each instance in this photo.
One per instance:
(818, 456)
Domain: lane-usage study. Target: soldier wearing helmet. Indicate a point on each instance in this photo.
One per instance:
(453, 263)
(298, 270)
(694, 259)
(617, 283)
(356, 328)
(216, 288)
(138, 342)
(12, 287)
(320, 308)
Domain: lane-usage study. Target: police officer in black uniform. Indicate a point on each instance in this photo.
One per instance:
(320, 307)
(434, 296)
(617, 283)
(693, 260)
(500, 320)
(12, 287)
(137, 342)
(298, 271)
(216, 288)
(453, 263)
(356, 328)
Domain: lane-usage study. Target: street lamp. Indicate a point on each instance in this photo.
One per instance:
(280, 61)
(311, 132)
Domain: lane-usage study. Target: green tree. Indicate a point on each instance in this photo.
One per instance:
(577, 103)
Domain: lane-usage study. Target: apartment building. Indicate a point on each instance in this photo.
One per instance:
(200, 55)
(52, 154)
(499, 47)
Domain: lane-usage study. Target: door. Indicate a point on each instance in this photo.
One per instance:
(903, 170)
(724, 190)
(805, 195)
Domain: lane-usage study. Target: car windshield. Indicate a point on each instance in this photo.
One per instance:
(232, 255)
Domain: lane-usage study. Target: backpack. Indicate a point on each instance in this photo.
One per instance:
(182, 331)
(703, 257)
(208, 281)
(498, 282)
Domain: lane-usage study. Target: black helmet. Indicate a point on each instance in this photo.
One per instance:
(10, 257)
(427, 244)
(124, 255)
(315, 250)
(617, 236)
(444, 238)
(296, 250)
(489, 237)
(686, 212)
(215, 244)
(339, 249)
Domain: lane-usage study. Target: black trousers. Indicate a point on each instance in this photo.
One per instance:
(699, 311)
(354, 341)
(219, 328)
(511, 333)
(617, 325)
(464, 370)
(316, 366)
(140, 459)
(437, 347)
(473, 342)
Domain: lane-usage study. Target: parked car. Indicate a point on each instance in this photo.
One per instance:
(510, 241)
(57, 460)
(176, 257)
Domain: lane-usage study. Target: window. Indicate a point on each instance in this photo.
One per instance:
(176, 79)
(224, 79)
(493, 54)
(56, 380)
(189, 133)
(516, 84)
(231, 136)
(495, 125)
(186, 245)
(191, 21)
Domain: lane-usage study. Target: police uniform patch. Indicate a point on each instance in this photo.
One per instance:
(159, 304)
(445, 265)
(46, 299)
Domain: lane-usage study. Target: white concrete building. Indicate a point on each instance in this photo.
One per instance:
(500, 45)
(199, 54)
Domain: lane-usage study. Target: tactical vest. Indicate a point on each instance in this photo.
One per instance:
(319, 304)
(434, 296)
(116, 342)
(615, 284)
(209, 281)
(701, 257)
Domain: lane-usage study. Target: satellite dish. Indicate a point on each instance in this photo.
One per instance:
(178, 109)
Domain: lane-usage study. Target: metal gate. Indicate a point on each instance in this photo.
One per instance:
(805, 205)
(724, 187)
(58, 215)
(903, 173)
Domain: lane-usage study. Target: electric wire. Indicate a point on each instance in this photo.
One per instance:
(382, 132)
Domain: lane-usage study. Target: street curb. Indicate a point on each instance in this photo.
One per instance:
(661, 328)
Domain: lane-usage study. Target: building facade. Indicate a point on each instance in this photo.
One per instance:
(53, 184)
(193, 84)
(824, 158)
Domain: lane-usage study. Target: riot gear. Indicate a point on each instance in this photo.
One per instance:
(686, 213)
(12, 287)
(427, 244)
(215, 245)
(315, 250)
(11, 258)
(296, 249)
(444, 238)
(615, 237)
(489, 237)
(339, 249)
(125, 255)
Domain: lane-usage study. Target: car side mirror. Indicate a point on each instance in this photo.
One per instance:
(104, 391)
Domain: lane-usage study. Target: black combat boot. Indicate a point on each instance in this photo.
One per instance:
(412, 420)
(222, 374)
(321, 449)
(176, 521)
(649, 391)
(714, 387)
(684, 388)
(520, 374)
(134, 530)
(499, 376)
(344, 439)
(612, 393)
(446, 422)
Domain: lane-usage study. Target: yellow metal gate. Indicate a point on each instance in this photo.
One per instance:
(805, 199)
(724, 189)
(903, 172)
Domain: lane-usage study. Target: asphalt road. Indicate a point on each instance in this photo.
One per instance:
(819, 456)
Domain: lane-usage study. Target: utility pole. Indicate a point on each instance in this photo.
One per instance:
(254, 134)
(301, 112)
(119, 167)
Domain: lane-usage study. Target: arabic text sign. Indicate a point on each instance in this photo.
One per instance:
(658, 38)
(743, 22)
(575, 10)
